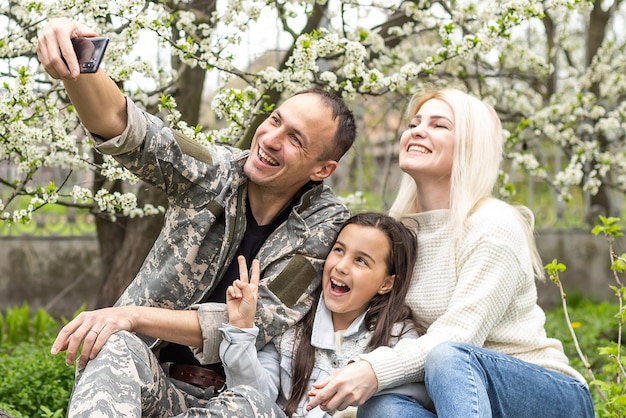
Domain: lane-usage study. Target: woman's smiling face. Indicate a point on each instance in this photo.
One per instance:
(427, 145)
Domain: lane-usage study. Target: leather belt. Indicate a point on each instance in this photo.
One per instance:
(196, 375)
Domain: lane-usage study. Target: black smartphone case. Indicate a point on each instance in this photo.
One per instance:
(89, 52)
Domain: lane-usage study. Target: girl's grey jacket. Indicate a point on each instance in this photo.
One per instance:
(269, 370)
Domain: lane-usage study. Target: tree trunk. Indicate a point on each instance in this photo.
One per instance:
(600, 203)
(126, 243)
(111, 235)
(131, 240)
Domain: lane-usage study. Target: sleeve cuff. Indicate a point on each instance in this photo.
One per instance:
(388, 369)
(234, 334)
(211, 317)
(132, 137)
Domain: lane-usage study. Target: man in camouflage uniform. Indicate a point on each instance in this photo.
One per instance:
(221, 199)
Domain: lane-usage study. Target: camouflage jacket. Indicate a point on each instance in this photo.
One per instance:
(204, 225)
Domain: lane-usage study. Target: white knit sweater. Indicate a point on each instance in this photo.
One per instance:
(483, 293)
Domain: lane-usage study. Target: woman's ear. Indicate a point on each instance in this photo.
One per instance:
(387, 284)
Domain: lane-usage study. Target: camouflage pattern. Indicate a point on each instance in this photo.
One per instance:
(126, 380)
(240, 401)
(204, 225)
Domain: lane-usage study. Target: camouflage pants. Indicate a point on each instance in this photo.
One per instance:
(126, 380)
(240, 401)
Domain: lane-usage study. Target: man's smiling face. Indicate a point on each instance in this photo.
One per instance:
(287, 147)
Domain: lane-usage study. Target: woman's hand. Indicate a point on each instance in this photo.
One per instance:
(242, 295)
(91, 330)
(351, 385)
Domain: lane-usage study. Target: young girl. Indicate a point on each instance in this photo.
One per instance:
(361, 307)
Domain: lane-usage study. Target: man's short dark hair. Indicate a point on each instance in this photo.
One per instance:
(346, 127)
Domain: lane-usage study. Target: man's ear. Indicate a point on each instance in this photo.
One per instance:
(387, 285)
(323, 170)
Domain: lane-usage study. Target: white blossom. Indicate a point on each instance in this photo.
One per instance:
(573, 138)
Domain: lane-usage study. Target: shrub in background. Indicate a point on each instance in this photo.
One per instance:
(597, 331)
(34, 383)
(595, 327)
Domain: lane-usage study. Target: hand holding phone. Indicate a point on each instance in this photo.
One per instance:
(89, 52)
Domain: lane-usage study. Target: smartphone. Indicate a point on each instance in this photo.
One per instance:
(89, 52)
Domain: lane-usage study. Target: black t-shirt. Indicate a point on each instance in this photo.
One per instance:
(253, 238)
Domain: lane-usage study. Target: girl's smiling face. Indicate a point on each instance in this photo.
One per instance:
(355, 271)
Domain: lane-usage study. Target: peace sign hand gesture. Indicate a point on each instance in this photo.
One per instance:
(242, 295)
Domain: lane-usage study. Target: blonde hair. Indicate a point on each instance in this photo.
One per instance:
(478, 153)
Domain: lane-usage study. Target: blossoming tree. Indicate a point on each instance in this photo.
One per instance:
(553, 69)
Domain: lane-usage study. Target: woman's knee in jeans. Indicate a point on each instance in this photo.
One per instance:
(442, 355)
(377, 406)
(392, 405)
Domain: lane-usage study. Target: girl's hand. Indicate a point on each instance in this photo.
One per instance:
(351, 385)
(241, 297)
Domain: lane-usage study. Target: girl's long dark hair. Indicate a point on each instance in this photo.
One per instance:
(384, 310)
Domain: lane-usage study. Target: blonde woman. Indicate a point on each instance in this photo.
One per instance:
(485, 352)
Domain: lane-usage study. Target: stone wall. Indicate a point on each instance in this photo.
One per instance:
(62, 274)
(588, 265)
(54, 273)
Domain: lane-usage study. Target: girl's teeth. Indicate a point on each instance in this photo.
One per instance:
(337, 284)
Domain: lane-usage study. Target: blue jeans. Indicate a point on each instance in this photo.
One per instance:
(468, 381)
